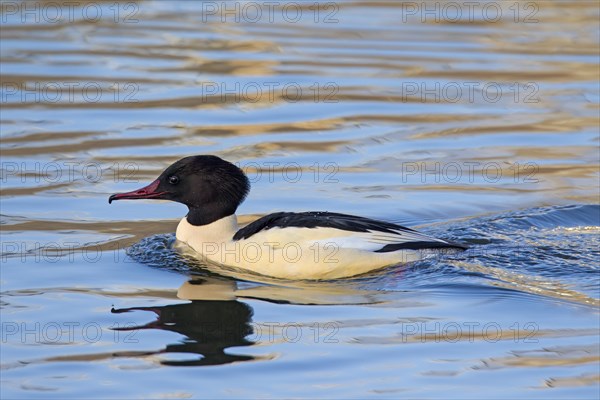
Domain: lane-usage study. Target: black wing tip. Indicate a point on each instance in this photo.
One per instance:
(420, 246)
(458, 246)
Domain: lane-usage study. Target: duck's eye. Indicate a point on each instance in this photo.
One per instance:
(173, 180)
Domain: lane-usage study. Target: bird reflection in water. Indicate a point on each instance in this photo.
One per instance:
(210, 325)
(215, 320)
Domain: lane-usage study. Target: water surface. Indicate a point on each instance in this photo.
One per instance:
(477, 129)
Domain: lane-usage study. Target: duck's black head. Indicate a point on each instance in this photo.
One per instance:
(211, 187)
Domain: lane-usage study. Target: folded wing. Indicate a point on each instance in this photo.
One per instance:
(379, 236)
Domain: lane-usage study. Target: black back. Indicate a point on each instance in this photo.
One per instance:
(314, 219)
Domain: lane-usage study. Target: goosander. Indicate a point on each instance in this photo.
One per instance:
(288, 245)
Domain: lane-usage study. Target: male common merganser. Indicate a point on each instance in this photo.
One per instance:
(288, 245)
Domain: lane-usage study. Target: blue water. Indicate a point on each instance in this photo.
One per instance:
(97, 302)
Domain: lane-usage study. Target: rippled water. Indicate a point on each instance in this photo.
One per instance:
(480, 127)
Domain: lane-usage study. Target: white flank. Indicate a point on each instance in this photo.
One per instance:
(298, 253)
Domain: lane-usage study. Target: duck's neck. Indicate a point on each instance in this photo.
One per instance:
(221, 230)
(208, 214)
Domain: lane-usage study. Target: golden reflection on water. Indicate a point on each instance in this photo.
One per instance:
(371, 93)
